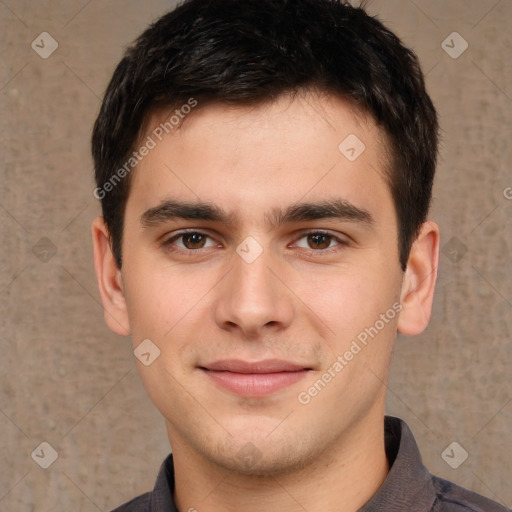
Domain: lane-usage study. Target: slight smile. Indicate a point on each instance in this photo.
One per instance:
(256, 378)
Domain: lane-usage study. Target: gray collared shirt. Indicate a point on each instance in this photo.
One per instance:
(409, 487)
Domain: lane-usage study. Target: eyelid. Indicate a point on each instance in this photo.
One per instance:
(167, 240)
(340, 238)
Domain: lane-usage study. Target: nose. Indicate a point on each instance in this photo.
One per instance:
(253, 297)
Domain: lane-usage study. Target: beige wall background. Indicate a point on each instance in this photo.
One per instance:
(68, 381)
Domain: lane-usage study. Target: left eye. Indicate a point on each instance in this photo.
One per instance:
(319, 239)
(192, 240)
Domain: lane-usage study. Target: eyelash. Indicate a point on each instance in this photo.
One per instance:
(168, 243)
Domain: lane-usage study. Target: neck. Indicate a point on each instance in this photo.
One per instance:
(342, 478)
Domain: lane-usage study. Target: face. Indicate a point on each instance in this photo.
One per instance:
(252, 236)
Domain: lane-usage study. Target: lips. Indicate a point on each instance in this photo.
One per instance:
(267, 366)
(254, 378)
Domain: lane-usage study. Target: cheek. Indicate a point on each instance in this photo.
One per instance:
(172, 308)
(348, 301)
(157, 295)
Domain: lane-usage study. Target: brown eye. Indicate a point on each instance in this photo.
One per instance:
(193, 240)
(189, 241)
(319, 240)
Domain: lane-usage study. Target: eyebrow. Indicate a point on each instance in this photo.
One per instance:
(172, 209)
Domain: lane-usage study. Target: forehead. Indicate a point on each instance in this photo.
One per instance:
(294, 148)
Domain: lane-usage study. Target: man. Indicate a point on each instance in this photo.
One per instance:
(265, 170)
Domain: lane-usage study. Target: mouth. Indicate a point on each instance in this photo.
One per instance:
(253, 379)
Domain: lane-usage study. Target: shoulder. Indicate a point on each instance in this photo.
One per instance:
(139, 504)
(452, 498)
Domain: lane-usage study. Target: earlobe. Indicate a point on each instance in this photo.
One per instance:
(109, 280)
(419, 281)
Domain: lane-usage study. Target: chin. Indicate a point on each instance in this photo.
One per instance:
(261, 458)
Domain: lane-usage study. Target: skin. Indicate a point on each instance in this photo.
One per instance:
(303, 299)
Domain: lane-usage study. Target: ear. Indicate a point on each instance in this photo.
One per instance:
(109, 280)
(419, 281)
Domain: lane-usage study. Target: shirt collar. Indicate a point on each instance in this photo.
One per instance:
(408, 485)
(161, 497)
